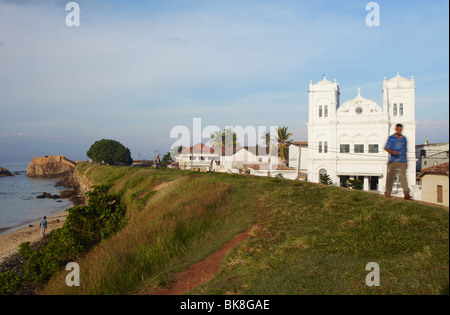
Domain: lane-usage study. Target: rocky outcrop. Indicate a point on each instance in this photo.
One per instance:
(50, 166)
(4, 172)
(78, 185)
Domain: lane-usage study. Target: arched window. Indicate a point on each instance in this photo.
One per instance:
(322, 171)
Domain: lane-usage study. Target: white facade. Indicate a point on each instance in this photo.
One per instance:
(198, 157)
(298, 158)
(347, 141)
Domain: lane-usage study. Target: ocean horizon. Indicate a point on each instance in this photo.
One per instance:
(19, 206)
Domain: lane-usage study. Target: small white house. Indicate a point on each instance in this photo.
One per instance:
(298, 158)
(435, 184)
(235, 160)
(198, 157)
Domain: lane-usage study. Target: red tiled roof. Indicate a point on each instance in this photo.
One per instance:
(440, 169)
(198, 148)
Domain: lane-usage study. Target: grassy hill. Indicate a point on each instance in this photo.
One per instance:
(305, 238)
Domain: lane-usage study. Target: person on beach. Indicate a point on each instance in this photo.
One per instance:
(43, 226)
(397, 147)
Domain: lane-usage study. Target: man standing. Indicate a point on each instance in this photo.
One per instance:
(397, 147)
(43, 226)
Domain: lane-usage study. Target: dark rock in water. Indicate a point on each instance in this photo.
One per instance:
(59, 200)
(31, 225)
(48, 195)
(4, 172)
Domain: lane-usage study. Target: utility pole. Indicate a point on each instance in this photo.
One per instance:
(269, 167)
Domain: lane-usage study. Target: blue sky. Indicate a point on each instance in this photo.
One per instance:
(134, 70)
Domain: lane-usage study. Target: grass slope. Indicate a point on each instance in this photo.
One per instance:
(305, 238)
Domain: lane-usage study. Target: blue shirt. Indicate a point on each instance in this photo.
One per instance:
(399, 145)
(43, 223)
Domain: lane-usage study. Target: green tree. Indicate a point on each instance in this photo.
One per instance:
(166, 160)
(110, 152)
(283, 138)
(266, 138)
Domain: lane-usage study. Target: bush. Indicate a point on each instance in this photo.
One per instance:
(85, 227)
(326, 180)
(356, 184)
(9, 283)
(110, 152)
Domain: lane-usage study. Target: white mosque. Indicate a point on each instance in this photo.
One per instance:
(347, 141)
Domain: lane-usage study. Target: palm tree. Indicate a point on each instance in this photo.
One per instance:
(229, 138)
(216, 139)
(225, 139)
(283, 138)
(266, 138)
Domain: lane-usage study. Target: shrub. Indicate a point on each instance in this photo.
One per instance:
(326, 180)
(85, 227)
(356, 184)
(9, 283)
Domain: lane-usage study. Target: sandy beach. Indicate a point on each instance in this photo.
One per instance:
(9, 243)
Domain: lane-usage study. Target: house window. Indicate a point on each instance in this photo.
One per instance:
(439, 193)
(373, 148)
(345, 148)
(359, 148)
(320, 111)
(395, 109)
(401, 109)
(325, 114)
(322, 171)
(320, 146)
(325, 147)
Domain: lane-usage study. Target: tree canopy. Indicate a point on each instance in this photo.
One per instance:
(110, 151)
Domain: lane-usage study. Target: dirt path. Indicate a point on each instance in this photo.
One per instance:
(202, 271)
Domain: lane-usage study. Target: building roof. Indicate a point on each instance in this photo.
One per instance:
(440, 169)
(299, 143)
(198, 148)
(401, 82)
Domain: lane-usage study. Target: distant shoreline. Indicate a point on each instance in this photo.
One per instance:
(25, 224)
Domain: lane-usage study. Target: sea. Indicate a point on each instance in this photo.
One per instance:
(19, 206)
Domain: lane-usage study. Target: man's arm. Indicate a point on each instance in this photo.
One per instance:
(387, 147)
(393, 152)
